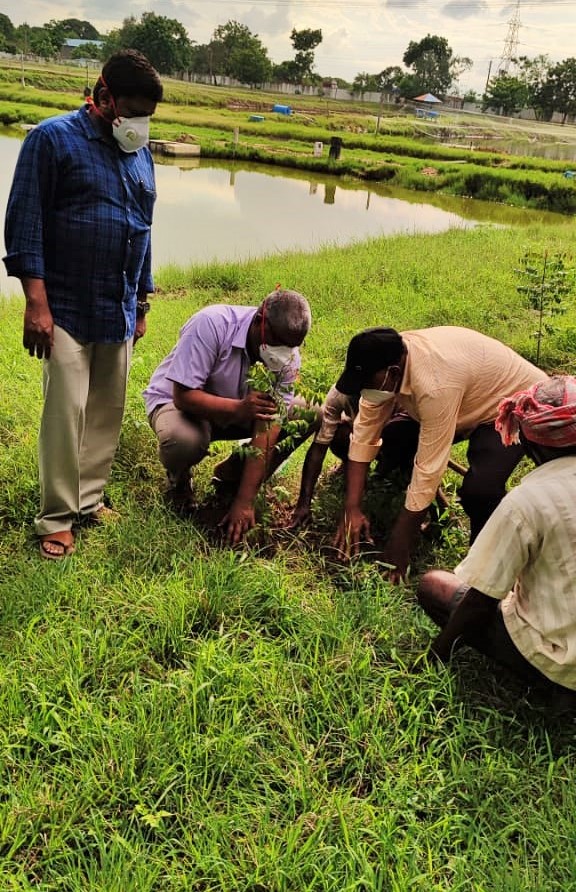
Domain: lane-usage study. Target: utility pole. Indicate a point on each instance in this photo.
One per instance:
(488, 76)
(379, 112)
(24, 52)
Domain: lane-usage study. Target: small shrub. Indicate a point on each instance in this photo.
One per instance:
(546, 280)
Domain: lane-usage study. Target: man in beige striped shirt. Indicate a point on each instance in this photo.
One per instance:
(450, 381)
(513, 596)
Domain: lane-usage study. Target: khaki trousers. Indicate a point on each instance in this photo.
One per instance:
(84, 398)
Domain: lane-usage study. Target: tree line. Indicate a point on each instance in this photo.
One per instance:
(233, 51)
(538, 83)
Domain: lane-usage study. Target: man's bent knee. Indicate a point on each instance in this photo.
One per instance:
(182, 442)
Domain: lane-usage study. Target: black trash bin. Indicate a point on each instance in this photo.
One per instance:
(335, 147)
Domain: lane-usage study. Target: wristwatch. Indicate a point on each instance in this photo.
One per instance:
(142, 307)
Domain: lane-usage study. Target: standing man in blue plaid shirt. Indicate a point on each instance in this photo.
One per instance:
(77, 235)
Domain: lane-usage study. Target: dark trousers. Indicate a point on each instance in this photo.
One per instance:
(399, 445)
(490, 464)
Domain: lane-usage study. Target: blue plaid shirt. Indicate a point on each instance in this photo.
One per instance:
(79, 217)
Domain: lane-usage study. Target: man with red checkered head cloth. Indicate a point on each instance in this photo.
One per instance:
(513, 597)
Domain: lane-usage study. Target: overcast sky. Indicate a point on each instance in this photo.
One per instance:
(358, 35)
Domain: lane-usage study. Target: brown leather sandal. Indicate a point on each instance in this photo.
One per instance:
(63, 549)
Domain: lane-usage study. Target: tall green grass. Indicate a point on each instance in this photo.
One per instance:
(177, 716)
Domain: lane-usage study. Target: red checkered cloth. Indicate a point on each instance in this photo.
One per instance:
(546, 414)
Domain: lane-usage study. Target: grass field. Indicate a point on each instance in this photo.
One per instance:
(177, 716)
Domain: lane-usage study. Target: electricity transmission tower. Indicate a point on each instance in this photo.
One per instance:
(511, 45)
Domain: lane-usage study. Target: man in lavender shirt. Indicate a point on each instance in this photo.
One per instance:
(199, 394)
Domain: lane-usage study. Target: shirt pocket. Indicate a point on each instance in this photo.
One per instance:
(146, 200)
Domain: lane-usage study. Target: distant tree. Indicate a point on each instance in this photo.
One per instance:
(121, 38)
(460, 64)
(200, 59)
(534, 73)
(209, 58)
(228, 39)
(55, 33)
(87, 50)
(471, 96)
(304, 43)
(389, 78)
(286, 73)
(240, 54)
(410, 85)
(365, 83)
(41, 42)
(341, 84)
(505, 93)
(7, 34)
(562, 86)
(22, 38)
(80, 29)
(249, 67)
(434, 66)
(164, 41)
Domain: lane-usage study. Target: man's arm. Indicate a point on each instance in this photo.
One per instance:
(354, 526)
(241, 517)
(473, 612)
(31, 195)
(335, 406)
(399, 546)
(365, 442)
(255, 406)
(310, 473)
(145, 283)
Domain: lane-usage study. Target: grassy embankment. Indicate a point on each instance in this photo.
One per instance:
(179, 716)
(407, 152)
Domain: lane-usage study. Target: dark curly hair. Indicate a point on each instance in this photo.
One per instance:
(129, 73)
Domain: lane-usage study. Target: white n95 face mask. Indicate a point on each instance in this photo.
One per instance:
(131, 134)
(276, 358)
(377, 397)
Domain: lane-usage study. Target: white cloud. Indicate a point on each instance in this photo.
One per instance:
(458, 10)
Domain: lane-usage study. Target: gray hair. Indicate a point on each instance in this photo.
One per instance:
(553, 391)
(288, 312)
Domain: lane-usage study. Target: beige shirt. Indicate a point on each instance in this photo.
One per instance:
(529, 546)
(337, 408)
(453, 381)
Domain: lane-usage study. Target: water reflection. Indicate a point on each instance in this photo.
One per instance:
(209, 210)
(213, 211)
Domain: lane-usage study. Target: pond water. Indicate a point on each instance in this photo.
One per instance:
(208, 210)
